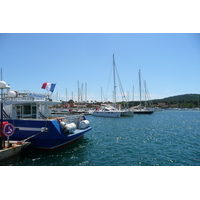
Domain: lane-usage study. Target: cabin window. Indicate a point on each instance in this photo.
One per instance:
(33, 111)
(27, 110)
(19, 111)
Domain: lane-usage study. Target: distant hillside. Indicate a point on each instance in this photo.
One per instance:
(185, 100)
(179, 101)
(184, 97)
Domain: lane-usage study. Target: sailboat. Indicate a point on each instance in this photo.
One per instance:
(112, 111)
(142, 109)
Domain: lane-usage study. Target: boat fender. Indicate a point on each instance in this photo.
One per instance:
(63, 127)
(62, 124)
(71, 127)
(67, 128)
(84, 124)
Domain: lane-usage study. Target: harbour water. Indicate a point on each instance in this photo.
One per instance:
(166, 138)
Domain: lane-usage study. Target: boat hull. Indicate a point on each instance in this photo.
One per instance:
(45, 134)
(144, 112)
(127, 114)
(106, 114)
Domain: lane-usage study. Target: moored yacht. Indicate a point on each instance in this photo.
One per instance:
(30, 115)
(107, 111)
(113, 111)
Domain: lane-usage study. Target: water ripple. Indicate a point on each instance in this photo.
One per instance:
(168, 138)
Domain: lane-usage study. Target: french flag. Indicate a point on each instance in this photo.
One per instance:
(48, 86)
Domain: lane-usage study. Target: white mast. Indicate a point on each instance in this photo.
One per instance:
(66, 95)
(114, 81)
(145, 87)
(72, 96)
(85, 92)
(78, 93)
(82, 94)
(140, 88)
(101, 95)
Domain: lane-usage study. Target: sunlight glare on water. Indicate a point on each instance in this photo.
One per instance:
(167, 138)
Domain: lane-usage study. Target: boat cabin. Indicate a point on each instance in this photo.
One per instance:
(28, 105)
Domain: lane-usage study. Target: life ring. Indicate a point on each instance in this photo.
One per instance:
(83, 118)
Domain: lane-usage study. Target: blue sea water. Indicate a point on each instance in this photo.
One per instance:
(166, 138)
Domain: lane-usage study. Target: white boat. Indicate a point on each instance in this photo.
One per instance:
(142, 109)
(127, 113)
(113, 111)
(107, 111)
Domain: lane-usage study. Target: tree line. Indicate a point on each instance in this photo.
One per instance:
(179, 101)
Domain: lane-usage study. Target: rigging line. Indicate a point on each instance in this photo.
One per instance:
(103, 96)
(121, 87)
(147, 95)
(114, 71)
(142, 86)
(108, 83)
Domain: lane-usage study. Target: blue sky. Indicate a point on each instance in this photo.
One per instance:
(169, 63)
(74, 41)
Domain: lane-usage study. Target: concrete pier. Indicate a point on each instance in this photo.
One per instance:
(12, 150)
